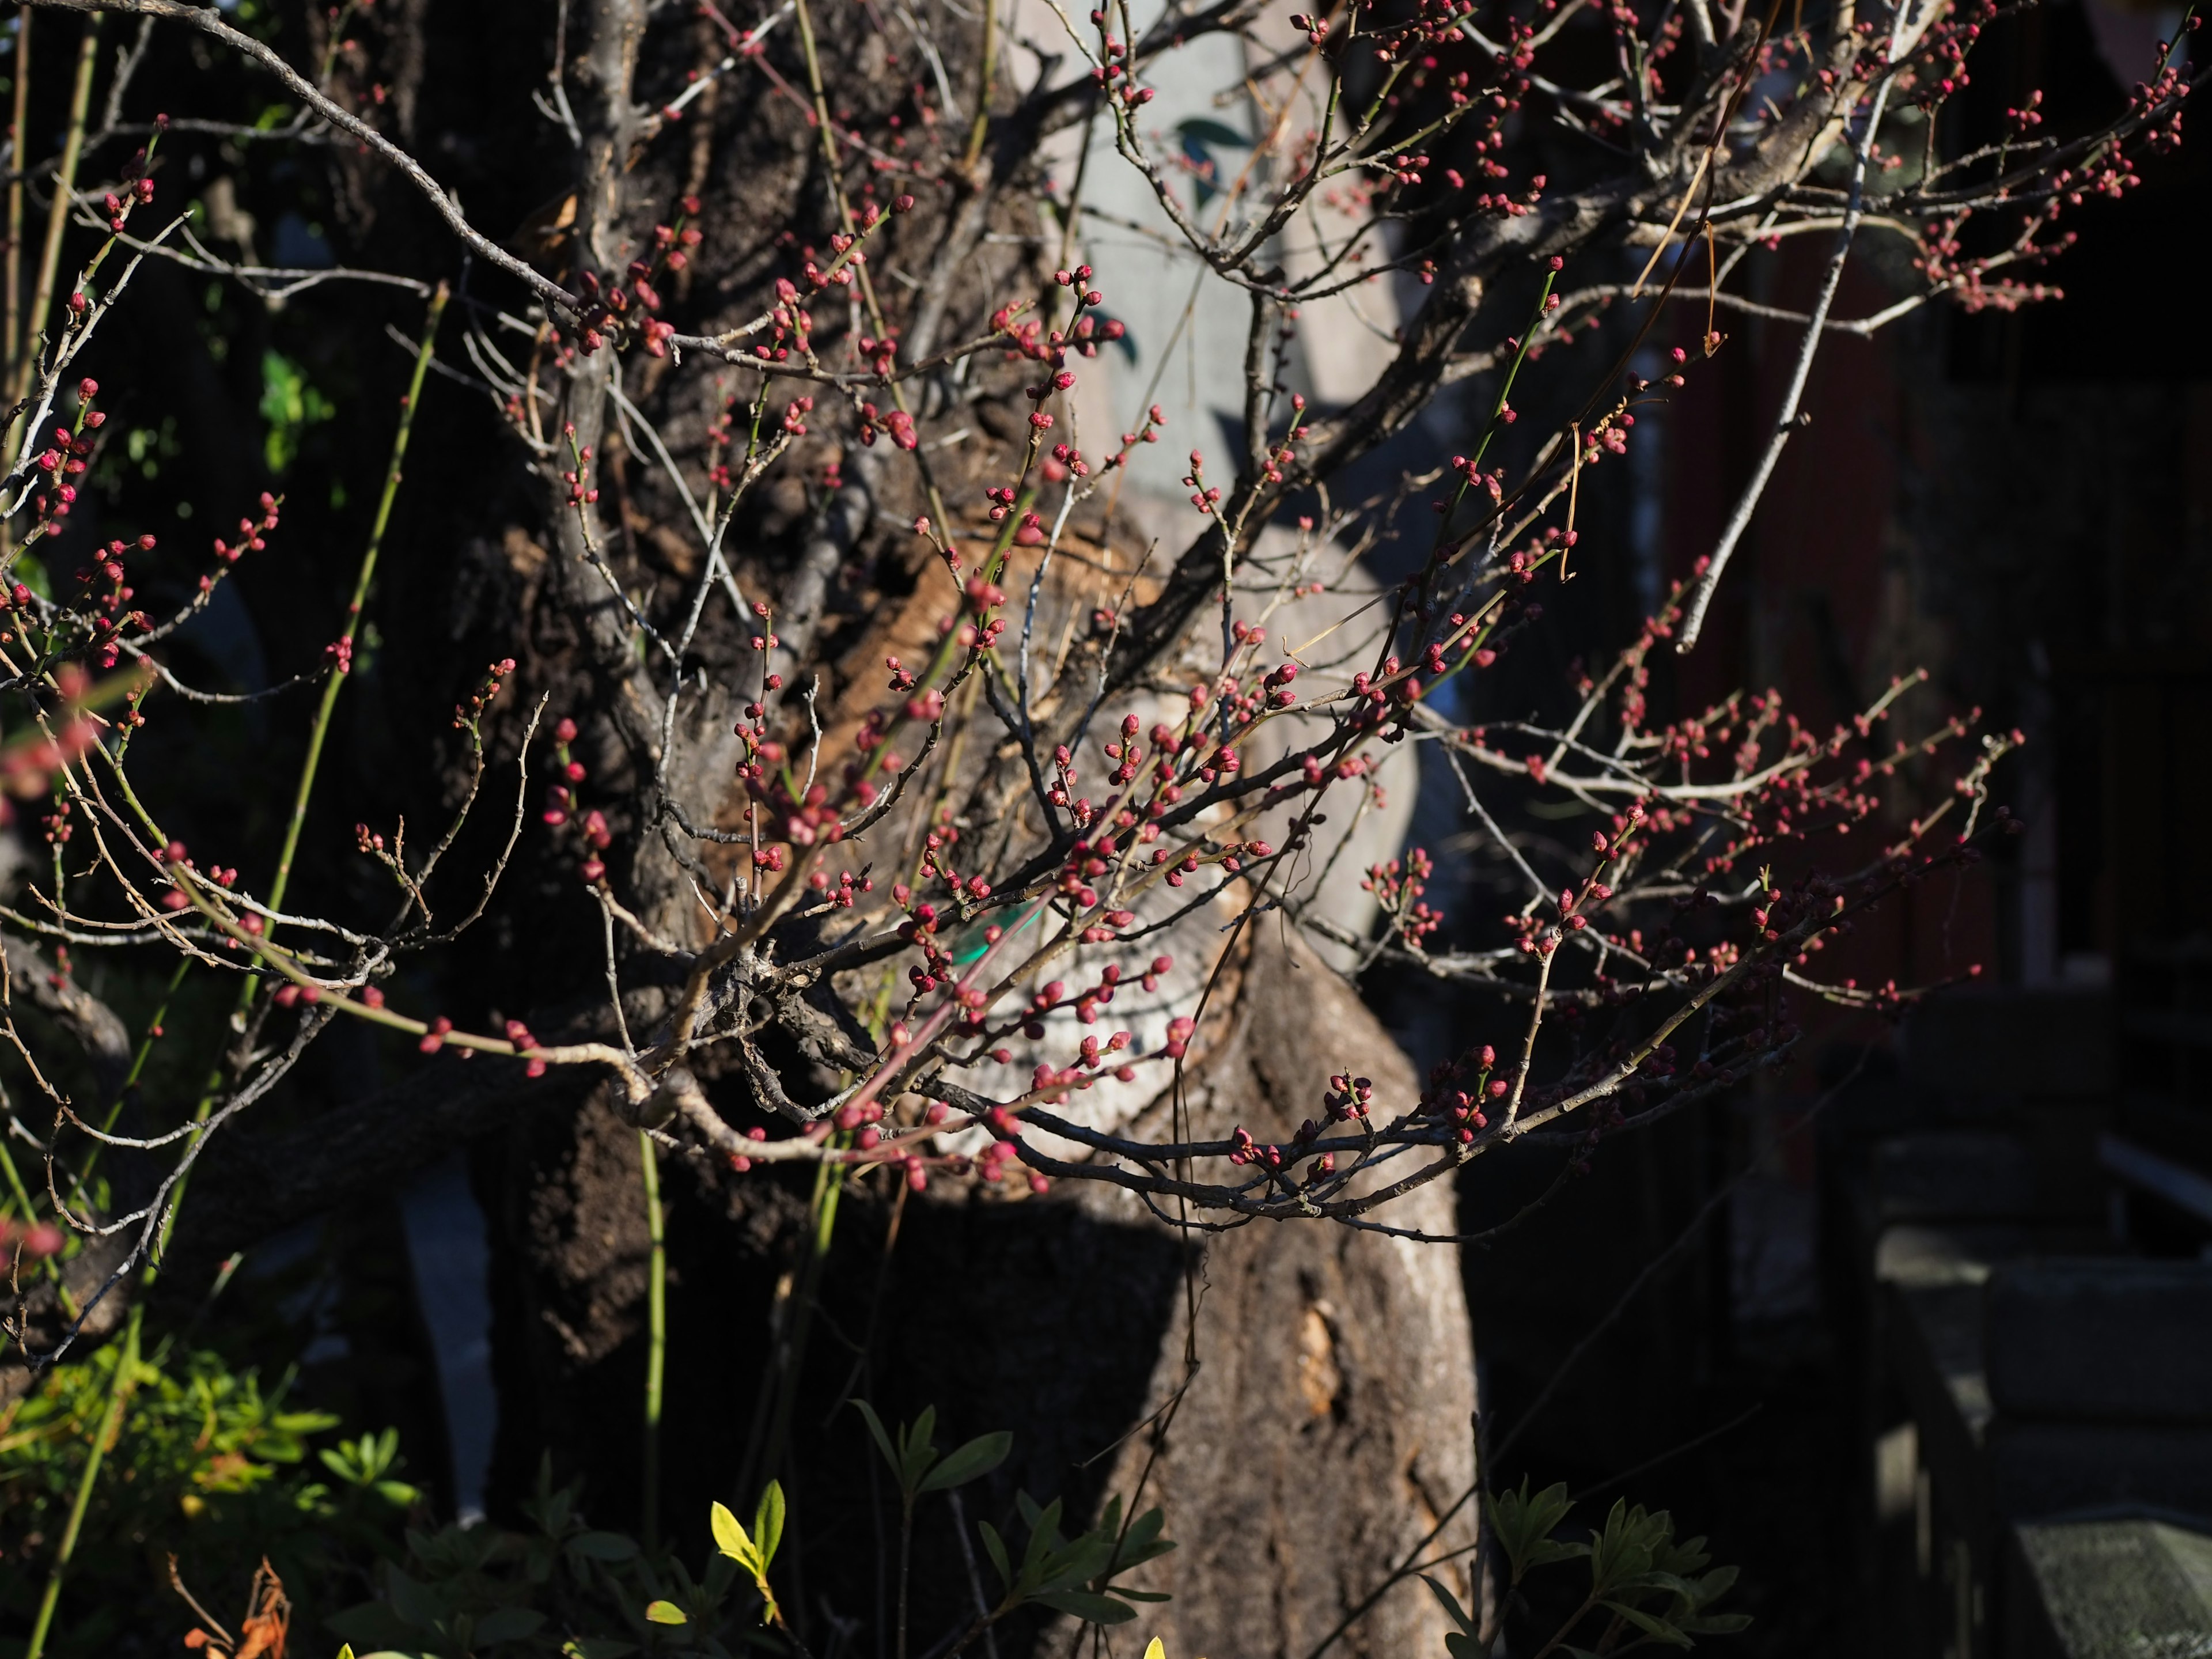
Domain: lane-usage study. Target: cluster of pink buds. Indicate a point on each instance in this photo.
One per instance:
(881, 356)
(840, 894)
(1245, 1150)
(898, 423)
(1464, 1107)
(580, 489)
(106, 592)
(1204, 498)
(1399, 888)
(519, 1034)
(175, 856)
(465, 715)
(251, 534)
(789, 324)
(138, 191)
(1280, 457)
(1348, 1097)
(18, 598)
(1117, 68)
(1155, 418)
(68, 454)
(1180, 1030)
(611, 310)
(561, 806)
(1474, 478)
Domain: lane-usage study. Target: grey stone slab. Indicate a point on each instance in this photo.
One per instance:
(2116, 1341)
(1926, 1253)
(1933, 1340)
(2109, 1590)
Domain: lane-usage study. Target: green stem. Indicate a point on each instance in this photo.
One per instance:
(78, 1182)
(981, 125)
(111, 1425)
(906, 1553)
(656, 1333)
(363, 578)
(119, 1389)
(320, 730)
(11, 329)
(49, 257)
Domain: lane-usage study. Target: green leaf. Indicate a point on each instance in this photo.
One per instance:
(876, 1428)
(969, 1462)
(1142, 1541)
(1201, 129)
(1545, 1551)
(1091, 1609)
(597, 1647)
(1685, 1556)
(290, 405)
(1457, 1613)
(917, 1451)
(995, 1547)
(664, 1613)
(768, 1522)
(1650, 1623)
(1623, 1550)
(1716, 1624)
(1044, 1533)
(1711, 1586)
(419, 1605)
(508, 1623)
(1523, 1526)
(729, 1535)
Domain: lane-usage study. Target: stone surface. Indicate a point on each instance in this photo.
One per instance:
(2123, 1341)
(2110, 1590)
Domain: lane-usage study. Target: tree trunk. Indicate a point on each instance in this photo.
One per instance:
(1326, 1426)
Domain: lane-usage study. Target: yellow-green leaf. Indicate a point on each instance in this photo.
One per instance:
(767, 1522)
(729, 1534)
(664, 1613)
